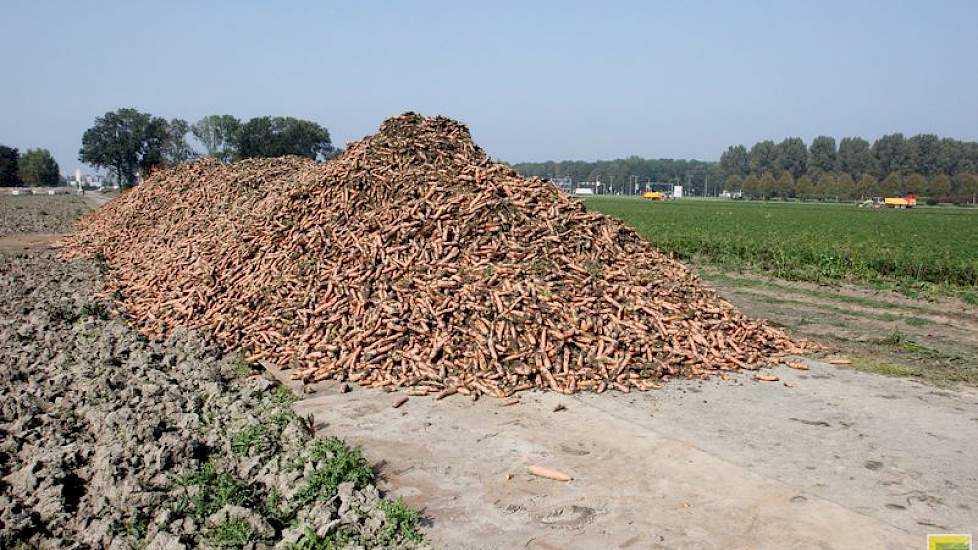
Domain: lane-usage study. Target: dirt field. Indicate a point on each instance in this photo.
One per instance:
(829, 457)
(882, 332)
(40, 213)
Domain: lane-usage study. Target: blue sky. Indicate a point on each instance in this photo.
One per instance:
(533, 80)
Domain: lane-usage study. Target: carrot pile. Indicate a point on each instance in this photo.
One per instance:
(413, 261)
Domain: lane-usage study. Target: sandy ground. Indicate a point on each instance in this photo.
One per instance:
(841, 459)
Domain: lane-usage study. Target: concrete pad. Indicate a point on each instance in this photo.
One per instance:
(841, 460)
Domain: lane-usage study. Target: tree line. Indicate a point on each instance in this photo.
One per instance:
(130, 143)
(35, 167)
(699, 177)
(943, 168)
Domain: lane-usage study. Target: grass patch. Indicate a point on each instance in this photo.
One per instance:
(231, 533)
(885, 368)
(902, 343)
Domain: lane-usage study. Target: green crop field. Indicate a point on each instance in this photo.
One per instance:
(924, 248)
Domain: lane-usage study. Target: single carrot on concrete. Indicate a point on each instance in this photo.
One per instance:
(548, 473)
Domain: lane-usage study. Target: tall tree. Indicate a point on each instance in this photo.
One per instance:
(868, 186)
(280, 136)
(893, 154)
(767, 185)
(733, 184)
(822, 155)
(855, 157)
(175, 146)
(763, 157)
(845, 187)
(751, 186)
(804, 187)
(925, 149)
(915, 183)
(38, 167)
(825, 186)
(219, 135)
(967, 186)
(786, 184)
(793, 156)
(951, 158)
(9, 157)
(892, 184)
(735, 161)
(124, 141)
(940, 186)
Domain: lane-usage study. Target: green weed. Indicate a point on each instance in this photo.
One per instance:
(231, 533)
(254, 436)
(214, 490)
(402, 521)
(340, 463)
(94, 309)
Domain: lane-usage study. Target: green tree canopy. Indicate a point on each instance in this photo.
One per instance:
(822, 155)
(892, 184)
(735, 161)
(793, 156)
(9, 157)
(751, 185)
(124, 141)
(767, 185)
(219, 135)
(868, 186)
(786, 184)
(825, 185)
(967, 186)
(733, 184)
(38, 167)
(855, 157)
(280, 136)
(893, 154)
(940, 186)
(763, 157)
(804, 186)
(845, 187)
(915, 183)
(925, 150)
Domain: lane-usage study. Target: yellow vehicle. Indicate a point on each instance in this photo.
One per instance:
(907, 201)
(655, 196)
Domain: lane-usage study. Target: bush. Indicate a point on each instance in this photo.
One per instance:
(931, 201)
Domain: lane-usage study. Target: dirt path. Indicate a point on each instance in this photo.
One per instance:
(883, 332)
(26, 241)
(843, 459)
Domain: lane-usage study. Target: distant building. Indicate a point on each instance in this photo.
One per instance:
(564, 183)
